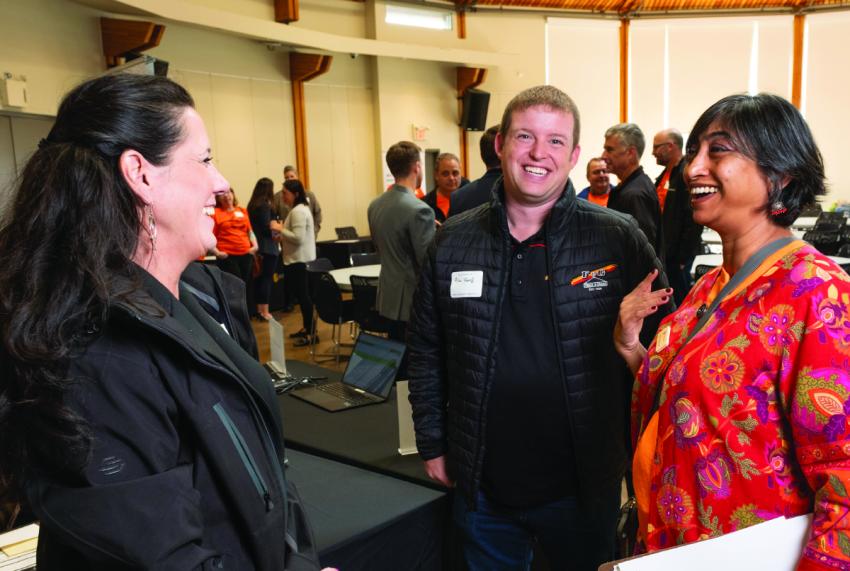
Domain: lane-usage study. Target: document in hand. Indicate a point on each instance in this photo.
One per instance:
(775, 545)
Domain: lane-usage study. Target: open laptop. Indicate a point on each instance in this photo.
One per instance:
(368, 378)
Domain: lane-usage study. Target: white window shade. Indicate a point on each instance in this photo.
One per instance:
(583, 60)
(826, 94)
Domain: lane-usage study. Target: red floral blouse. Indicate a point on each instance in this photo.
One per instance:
(754, 414)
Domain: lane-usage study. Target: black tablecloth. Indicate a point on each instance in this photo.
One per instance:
(365, 436)
(364, 520)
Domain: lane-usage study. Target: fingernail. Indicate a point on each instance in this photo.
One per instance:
(669, 290)
(654, 307)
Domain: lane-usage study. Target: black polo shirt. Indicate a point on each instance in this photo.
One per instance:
(528, 457)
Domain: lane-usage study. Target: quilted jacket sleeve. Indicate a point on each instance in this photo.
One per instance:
(428, 388)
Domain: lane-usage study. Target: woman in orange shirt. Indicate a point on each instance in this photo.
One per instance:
(236, 244)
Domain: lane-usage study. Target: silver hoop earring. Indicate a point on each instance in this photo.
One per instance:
(151, 226)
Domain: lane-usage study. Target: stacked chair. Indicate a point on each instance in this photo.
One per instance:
(328, 306)
(829, 233)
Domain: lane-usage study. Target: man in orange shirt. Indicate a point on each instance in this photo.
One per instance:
(600, 186)
(447, 177)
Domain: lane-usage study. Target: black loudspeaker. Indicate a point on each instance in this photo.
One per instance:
(475, 103)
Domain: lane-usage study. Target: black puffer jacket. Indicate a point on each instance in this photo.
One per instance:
(454, 342)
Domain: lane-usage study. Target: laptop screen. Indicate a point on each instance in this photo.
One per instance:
(373, 364)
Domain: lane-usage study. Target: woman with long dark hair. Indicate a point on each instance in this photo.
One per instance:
(132, 422)
(298, 240)
(741, 405)
(260, 212)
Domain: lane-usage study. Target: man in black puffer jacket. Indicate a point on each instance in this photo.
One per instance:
(518, 395)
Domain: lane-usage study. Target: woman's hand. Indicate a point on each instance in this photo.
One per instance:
(219, 254)
(635, 307)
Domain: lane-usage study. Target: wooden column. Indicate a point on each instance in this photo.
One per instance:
(285, 11)
(797, 73)
(121, 37)
(467, 78)
(461, 24)
(303, 68)
(624, 70)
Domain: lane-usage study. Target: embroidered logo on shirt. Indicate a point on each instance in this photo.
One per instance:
(592, 279)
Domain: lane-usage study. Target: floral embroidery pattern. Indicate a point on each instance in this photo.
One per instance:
(722, 371)
(756, 423)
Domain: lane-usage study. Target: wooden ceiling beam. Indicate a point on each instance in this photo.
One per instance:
(797, 65)
(624, 70)
(122, 37)
(303, 68)
(285, 11)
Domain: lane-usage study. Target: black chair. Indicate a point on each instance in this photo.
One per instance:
(844, 251)
(329, 306)
(826, 242)
(701, 270)
(812, 211)
(365, 259)
(320, 265)
(365, 293)
(831, 218)
(346, 233)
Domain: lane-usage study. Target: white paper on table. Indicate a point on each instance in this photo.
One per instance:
(775, 544)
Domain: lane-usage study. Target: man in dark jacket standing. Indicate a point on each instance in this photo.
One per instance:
(635, 195)
(518, 396)
(682, 236)
(478, 191)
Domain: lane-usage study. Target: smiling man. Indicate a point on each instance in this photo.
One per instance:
(518, 395)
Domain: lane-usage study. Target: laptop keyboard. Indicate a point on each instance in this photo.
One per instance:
(343, 392)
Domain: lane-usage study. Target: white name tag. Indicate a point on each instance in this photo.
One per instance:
(663, 338)
(467, 284)
(238, 214)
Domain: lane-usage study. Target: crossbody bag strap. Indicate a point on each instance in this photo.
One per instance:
(750, 266)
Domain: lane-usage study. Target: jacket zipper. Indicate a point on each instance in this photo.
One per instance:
(245, 455)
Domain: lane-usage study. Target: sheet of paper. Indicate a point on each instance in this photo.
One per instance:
(775, 545)
(21, 547)
(18, 535)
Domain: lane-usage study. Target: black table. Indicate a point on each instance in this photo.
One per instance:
(339, 251)
(364, 520)
(366, 437)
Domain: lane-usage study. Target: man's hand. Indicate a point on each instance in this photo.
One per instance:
(436, 470)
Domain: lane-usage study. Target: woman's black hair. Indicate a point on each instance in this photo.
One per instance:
(295, 187)
(769, 130)
(68, 237)
(262, 195)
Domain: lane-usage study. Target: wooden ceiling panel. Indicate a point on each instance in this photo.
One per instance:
(648, 6)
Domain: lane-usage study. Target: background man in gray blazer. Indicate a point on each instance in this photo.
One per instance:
(401, 226)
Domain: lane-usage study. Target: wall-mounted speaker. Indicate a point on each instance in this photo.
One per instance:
(474, 116)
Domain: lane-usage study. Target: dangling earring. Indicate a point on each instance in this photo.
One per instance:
(777, 208)
(151, 226)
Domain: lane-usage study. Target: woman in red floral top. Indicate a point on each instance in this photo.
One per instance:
(752, 420)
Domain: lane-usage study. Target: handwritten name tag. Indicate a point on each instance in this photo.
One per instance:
(467, 284)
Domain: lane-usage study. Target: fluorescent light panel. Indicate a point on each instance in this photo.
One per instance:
(419, 17)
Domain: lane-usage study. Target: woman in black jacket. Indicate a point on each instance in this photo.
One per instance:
(133, 423)
(260, 212)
